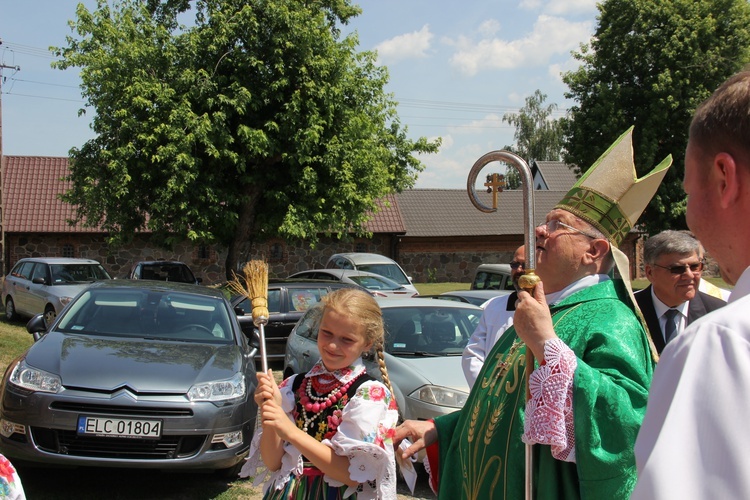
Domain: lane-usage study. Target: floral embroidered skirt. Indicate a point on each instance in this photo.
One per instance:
(309, 486)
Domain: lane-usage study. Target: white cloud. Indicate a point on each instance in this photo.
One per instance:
(412, 45)
(550, 36)
(478, 126)
(556, 7)
(556, 70)
(489, 27)
(530, 4)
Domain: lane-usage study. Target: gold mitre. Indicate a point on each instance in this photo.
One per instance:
(609, 195)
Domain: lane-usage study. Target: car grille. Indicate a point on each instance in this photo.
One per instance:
(125, 411)
(70, 443)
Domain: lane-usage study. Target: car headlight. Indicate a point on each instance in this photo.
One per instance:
(33, 379)
(219, 390)
(442, 396)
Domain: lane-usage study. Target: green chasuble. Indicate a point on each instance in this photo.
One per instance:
(481, 455)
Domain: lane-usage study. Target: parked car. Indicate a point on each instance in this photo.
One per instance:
(424, 341)
(377, 285)
(163, 270)
(476, 297)
(287, 300)
(493, 277)
(373, 263)
(46, 285)
(133, 374)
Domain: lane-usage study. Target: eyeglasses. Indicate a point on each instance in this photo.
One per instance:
(553, 225)
(515, 265)
(695, 267)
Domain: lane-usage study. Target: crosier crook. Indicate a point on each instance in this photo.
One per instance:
(528, 281)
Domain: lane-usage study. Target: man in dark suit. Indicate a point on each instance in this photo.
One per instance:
(673, 265)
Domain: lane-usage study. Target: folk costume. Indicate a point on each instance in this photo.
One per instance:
(10, 483)
(347, 410)
(588, 396)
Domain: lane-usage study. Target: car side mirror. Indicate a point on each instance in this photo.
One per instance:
(39, 281)
(37, 327)
(199, 280)
(254, 339)
(239, 311)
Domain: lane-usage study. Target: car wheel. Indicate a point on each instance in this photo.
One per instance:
(10, 310)
(49, 315)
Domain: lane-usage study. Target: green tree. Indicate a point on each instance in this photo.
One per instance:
(537, 136)
(258, 119)
(649, 64)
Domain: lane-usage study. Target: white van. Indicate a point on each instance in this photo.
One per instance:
(373, 263)
(492, 277)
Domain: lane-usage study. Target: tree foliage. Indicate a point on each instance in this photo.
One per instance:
(537, 136)
(259, 119)
(650, 64)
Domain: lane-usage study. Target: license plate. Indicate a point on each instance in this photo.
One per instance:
(119, 427)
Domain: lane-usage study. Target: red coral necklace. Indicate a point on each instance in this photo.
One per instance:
(316, 405)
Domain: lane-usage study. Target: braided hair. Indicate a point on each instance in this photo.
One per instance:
(360, 304)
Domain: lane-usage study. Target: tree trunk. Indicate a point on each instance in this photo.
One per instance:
(239, 249)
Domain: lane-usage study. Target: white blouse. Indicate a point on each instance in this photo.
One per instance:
(364, 435)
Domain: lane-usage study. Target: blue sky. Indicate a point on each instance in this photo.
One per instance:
(455, 69)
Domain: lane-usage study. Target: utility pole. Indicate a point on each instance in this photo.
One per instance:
(3, 260)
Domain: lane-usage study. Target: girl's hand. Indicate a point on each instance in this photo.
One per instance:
(267, 389)
(274, 418)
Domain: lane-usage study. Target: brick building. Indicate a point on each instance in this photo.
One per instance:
(435, 234)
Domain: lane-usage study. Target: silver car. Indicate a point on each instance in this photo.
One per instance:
(46, 285)
(373, 263)
(136, 374)
(424, 343)
(376, 284)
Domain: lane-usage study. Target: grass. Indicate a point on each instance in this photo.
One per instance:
(14, 340)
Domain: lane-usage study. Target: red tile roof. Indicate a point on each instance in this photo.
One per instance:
(31, 189)
(32, 185)
(388, 219)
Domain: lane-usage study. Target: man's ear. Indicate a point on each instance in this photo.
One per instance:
(725, 169)
(598, 249)
(649, 271)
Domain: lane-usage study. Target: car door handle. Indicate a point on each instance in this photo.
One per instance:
(305, 354)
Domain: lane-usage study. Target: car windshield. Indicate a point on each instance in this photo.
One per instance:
(420, 331)
(390, 271)
(375, 282)
(65, 274)
(167, 272)
(149, 314)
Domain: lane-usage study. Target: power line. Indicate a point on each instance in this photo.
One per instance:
(45, 83)
(42, 97)
(28, 50)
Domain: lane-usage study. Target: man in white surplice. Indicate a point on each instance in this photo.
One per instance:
(693, 443)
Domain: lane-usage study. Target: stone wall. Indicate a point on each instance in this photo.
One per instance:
(206, 262)
(426, 260)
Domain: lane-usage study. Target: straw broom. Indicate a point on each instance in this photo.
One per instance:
(256, 289)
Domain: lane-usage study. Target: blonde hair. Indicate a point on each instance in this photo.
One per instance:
(359, 304)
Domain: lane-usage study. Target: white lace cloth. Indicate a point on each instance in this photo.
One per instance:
(364, 436)
(549, 412)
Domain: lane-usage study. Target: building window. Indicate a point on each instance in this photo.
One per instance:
(360, 247)
(204, 252)
(67, 251)
(276, 252)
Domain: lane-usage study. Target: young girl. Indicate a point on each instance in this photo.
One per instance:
(328, 434)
